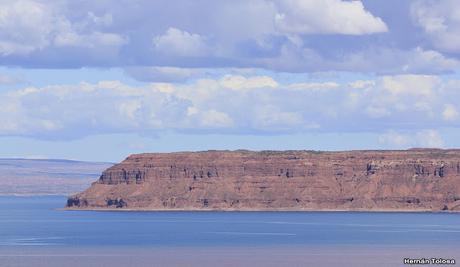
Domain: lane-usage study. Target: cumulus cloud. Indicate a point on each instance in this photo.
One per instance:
(292, 36)
(215, 119)
(238, 82)
(394, 139)
(450, 113)
(326, 17)
(430, 138)
(425, 138)
(235, 104)
(404, 95)
(440, 22)
(24, 26)
(27, 26)
(180, 43)
(413, 85)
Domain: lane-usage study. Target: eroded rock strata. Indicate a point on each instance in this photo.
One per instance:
(418, 179)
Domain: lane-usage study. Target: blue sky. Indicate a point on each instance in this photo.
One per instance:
(99, 80)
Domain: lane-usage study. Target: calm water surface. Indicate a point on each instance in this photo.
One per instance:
(28, 223)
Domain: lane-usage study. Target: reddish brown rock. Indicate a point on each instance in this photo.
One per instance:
(417, 179)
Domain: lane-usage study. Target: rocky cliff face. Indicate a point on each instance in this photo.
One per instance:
(422, 179)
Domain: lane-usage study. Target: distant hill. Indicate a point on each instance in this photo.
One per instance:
(47, 176)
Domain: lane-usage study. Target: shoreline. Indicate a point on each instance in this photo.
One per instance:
(261, 210)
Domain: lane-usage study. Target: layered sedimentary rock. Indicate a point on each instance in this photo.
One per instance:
(417, 179)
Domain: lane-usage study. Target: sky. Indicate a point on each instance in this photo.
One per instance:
(99, 80)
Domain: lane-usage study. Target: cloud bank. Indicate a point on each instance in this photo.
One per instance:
(233, 104)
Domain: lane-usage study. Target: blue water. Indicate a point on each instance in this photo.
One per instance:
(35, 221)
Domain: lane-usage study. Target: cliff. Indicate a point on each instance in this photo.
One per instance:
(410, 180)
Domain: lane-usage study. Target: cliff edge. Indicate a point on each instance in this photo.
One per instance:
(409, 180)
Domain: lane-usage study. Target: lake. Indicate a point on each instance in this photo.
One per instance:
(34, 232)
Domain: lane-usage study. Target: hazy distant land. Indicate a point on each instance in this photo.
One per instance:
(47, 176)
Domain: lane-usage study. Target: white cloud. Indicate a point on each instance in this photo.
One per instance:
(86, 33)
(416, 85)
(429, 138)
(377, 111)
(377, 59)
(24, 26)
(129, 108)
(424, 138)
(450, 113)
(394, 139)
(182, 43)
(313, 86)
(402, 95)
(217, 119)
(91, 40)
(104, 20)
(236, 104)
(425, 60)
(10, 113)
(192, 111)
(296, 36)
(30, 25)
(395, 61)
(440, 21)
(238, 82)
(180, 75)
(360, 84)
(327, 16)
